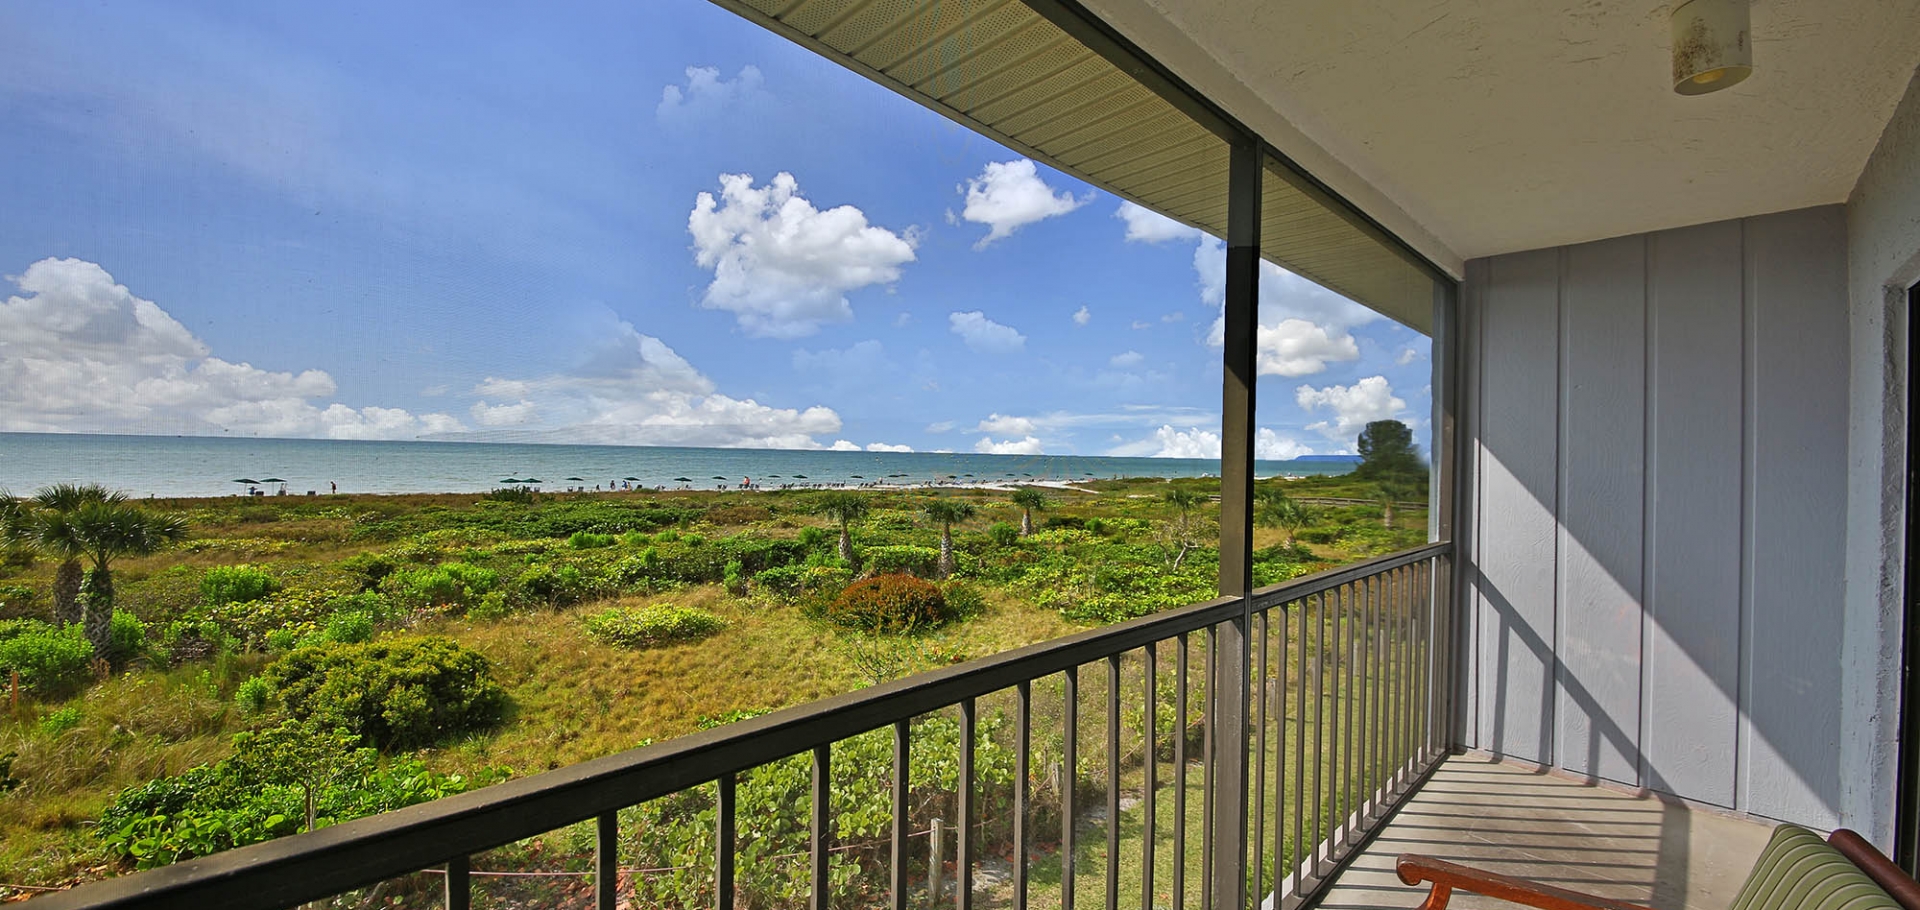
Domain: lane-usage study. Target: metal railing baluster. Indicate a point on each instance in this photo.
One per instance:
(1113, 782)
(606, 861)
(1319, 728)
(963, 843)
(898, 859)
(1207, 846)
(1152, 763)
(459, 883)
(1022, 776)
(1299, 648)
(1259, 777)
(1280, 873)
(820, 826)
(1069, 772)
(724, 840)
(1180, 778)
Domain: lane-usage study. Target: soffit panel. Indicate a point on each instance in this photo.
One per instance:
(1004, 70)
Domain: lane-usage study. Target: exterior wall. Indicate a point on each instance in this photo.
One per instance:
(1659, 438)
(1883, 246)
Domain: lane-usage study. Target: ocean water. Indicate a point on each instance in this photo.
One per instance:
(211, 466)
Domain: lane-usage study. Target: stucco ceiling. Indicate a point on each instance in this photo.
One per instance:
(1476, 128)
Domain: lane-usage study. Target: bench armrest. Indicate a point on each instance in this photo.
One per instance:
(1415, 869)
(1875, 864)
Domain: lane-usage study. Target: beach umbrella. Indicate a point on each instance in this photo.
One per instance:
(801, 476)
(629, 478)
(511, 480)
(273, 480)
(581, 479)
(719, 477)
(531, 480)
(683, 480)
(247, 482)
(859, 477)
(773, 475)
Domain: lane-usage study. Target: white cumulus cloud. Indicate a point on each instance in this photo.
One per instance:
(80, 352)
(782, 266)
(1009, 195)
(1407, 356)
(1303, 326)
(635, 390)
(887, 447)
(1027, 446)
(1145, 225)
(1005, 425)
(1081, 316)
(706, 94)
(1194, 442)
(516, 414)
(1353, 406)
(985, 335)
(843, 445)
(1126, 359)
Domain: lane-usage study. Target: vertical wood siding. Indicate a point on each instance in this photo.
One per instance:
(1659, 474)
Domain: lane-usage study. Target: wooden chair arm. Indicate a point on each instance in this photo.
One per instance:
(1875, 864)
(1445, 876)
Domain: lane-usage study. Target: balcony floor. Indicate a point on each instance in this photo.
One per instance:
(1512, 820)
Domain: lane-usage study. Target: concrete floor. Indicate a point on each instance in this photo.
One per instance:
(1515, 821)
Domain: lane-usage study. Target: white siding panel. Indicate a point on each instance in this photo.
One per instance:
(1693, 645)
(1602, 453)
(1519, 377)
(1796, 298)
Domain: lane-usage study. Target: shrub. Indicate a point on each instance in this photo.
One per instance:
(453, 584)
(555, 586)
(734, 578)
(236, 585)
(17, 602)
(261, 792)
(784, 581)
(889, 603)
(521, 495)
(964, 600)
(349, 627)
(253, 696)
(49, 660)
(894, 560)
(588, 540)
(370, 568)
(1004, 533)
(126, 636)
(393, 694)
(651, 627)
(54, 723)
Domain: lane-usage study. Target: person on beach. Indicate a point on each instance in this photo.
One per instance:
(333, 488)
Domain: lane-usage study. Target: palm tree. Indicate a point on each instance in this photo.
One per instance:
(845, 508)
(946, 512)
(105, 532)
(1278, 510)
(48, 526)
(1029, 499)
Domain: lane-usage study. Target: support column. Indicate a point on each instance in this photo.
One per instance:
(1446, 491)
(1228, 885)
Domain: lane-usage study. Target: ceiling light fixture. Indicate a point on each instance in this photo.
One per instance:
(1711, 47)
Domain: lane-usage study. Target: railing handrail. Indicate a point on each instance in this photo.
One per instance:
(363, 851)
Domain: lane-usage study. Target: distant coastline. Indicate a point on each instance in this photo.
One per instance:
(172, 466)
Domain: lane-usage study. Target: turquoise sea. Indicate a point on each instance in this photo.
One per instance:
(210, 466)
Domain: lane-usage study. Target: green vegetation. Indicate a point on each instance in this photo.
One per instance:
(298, 661)
(652, 627)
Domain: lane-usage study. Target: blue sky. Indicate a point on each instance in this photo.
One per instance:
(626, 223)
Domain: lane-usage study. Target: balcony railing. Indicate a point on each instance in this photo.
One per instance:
(1347, 709)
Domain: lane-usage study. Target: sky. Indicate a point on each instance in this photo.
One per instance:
(630, 223)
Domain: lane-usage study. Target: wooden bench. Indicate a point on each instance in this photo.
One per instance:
(1796, 871)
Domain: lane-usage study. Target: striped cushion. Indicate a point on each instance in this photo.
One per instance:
(1799, 871)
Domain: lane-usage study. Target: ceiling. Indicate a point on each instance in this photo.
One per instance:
(1476, 128)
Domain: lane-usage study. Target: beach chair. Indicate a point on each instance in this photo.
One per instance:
(1796, 871)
